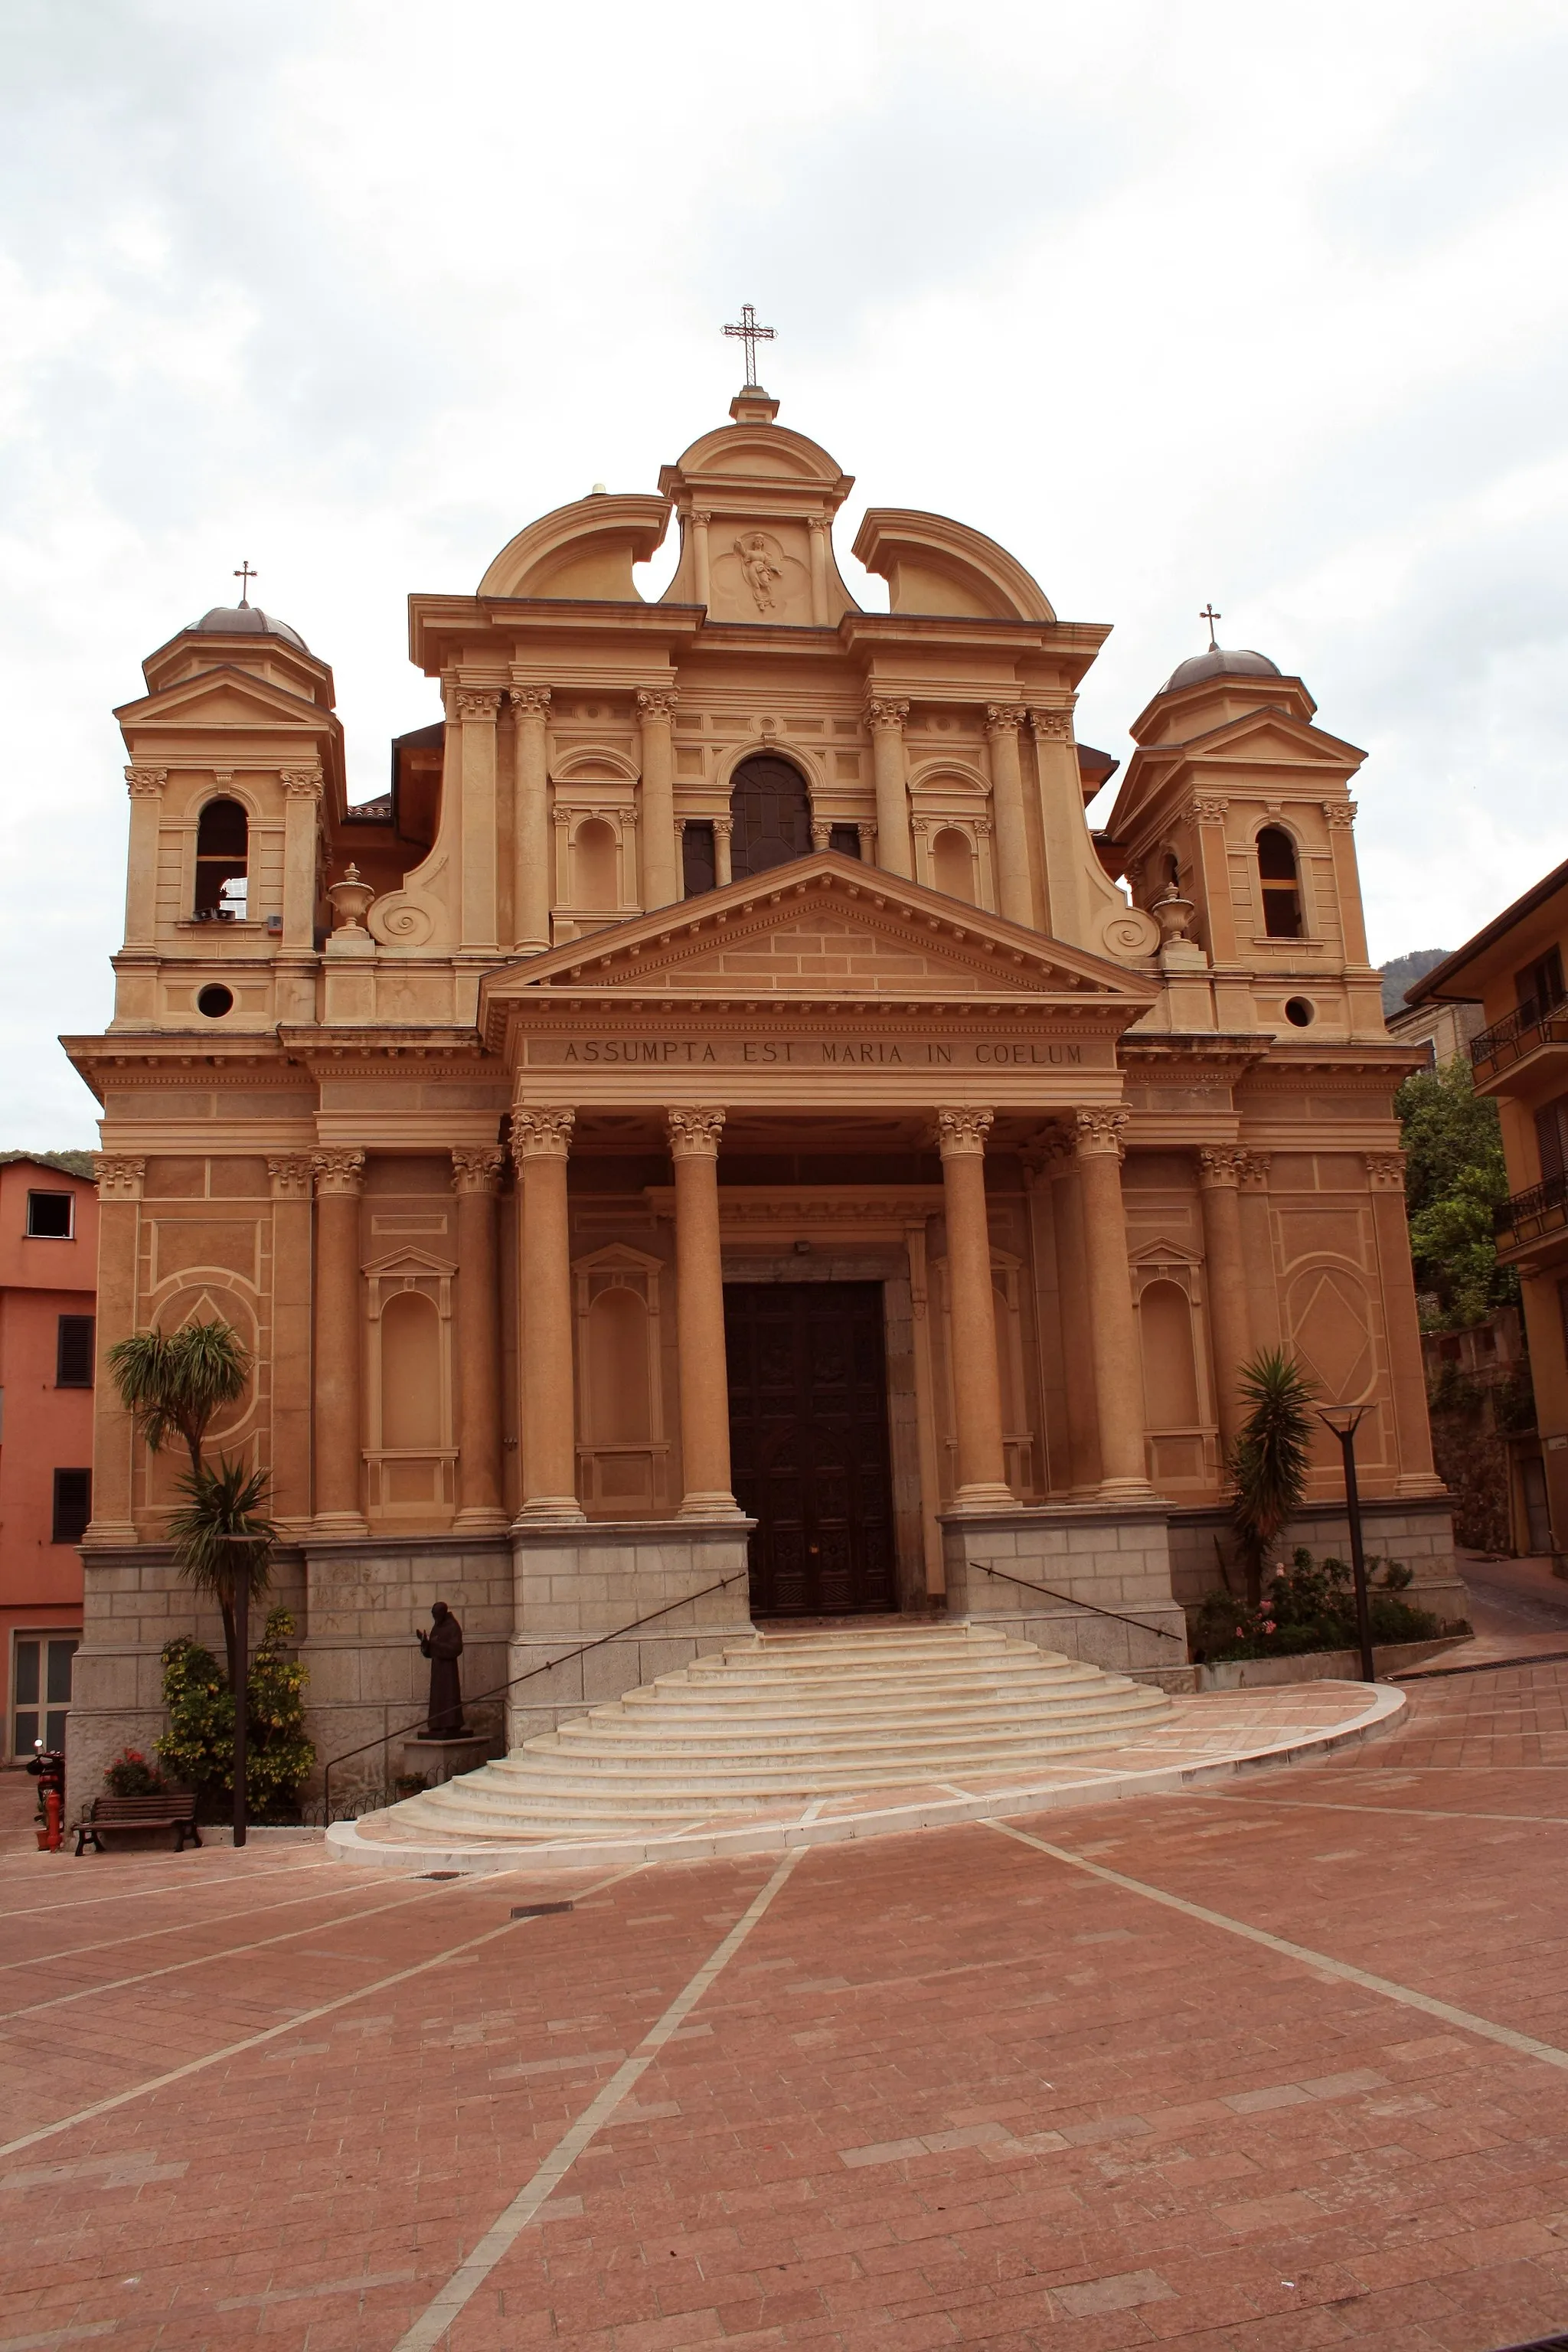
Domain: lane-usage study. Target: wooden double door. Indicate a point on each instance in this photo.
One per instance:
(808, 1436)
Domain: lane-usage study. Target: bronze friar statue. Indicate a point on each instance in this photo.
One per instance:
(443, 1645)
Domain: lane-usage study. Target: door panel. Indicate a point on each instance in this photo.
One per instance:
(808, 1429)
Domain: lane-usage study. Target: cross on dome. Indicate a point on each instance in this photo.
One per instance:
(751, 334)
(245, 575)
(1211, 616)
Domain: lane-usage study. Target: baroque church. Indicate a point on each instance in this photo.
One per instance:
(723, 1140)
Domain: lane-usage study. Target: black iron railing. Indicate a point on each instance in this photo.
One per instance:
(1536, 1022)
(478, 1698)
(1076, 1601)
(1529, 1215)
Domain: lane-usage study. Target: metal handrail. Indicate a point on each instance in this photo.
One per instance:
(1073, 1602)
(1533, 1014)
(478, 1697)
(1535, 1201)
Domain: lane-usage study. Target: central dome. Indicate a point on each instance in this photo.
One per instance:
(1218, 663)
(246, 620)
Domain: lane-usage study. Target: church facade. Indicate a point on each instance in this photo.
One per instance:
(721, 1138)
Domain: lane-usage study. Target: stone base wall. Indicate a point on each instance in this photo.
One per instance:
(135, 1601)
(1419, 1534)
(1112, 1561)
(579, 1584)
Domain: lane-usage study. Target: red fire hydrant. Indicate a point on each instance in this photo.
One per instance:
(48, 1767)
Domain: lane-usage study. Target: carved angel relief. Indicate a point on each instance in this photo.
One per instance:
(759, 570)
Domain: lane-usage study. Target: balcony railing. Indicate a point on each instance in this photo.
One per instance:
(1531, 1215)
(1530, 1024)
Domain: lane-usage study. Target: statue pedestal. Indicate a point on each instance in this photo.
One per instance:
(443, 1760)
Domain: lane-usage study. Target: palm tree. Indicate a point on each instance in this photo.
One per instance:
(1268, 1462)
(223, 1541)
(175, 1382)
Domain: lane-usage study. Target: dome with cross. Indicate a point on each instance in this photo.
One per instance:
(246, 620)
(1220, 662)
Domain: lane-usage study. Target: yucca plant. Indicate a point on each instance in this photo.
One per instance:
(223, 1542)
(1269, 1460)
(175, 1382)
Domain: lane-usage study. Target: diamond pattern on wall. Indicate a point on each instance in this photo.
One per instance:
(1328, 1320)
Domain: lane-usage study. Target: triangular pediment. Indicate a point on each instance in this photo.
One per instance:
(224, 697)
(823, 927)
(1271, 734)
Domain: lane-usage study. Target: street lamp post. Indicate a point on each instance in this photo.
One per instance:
(1344, 1421)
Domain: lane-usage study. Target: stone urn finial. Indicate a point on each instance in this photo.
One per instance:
(350, 899)
(1173, 914)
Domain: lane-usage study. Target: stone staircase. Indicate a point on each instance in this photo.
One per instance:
(786, 1717)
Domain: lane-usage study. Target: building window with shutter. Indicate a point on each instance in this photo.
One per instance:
(73, 1506)
(73, 1352)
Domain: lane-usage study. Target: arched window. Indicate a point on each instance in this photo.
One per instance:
(1281, 883)
(772, 810)
(620, 1410)
(593, 866)
(1169, 1373)
(952, 865)
(222, 850)
(410, 1371)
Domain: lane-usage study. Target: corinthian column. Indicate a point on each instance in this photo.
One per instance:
(476, 1180)
(114, 1449)
(1003, 720)
(661, 881)
(1406, 1376)
(301, 825)
(1113, 1332)
(886, 721)
(339, 1181)
(145, 786)
(971, 1313)
(474, 709)
(1219, 1175)
(289, 1177)
(699, 1316)
(540, 1142)
(530, 826)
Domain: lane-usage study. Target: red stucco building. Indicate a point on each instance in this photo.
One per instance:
(48, 1257)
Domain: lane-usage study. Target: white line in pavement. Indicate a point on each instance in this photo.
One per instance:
(1413, 1812)
(329, 1892)
(303, 2017)
(180, 1886)
(225, 1952)
(1407, 1995)
(504, 2231)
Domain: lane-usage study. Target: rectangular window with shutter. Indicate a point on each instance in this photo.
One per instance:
(1551, 1136)
(73, 1506)
(73, 1352)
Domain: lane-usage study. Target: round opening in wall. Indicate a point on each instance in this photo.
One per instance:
(1300, 1011)
(216, 1002)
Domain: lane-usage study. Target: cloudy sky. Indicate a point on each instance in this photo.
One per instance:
(1266, 304)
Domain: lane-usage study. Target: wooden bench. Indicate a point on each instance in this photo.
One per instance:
(175, 1808)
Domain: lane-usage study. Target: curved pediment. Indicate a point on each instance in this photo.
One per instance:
(934, 565)
(758, 452)
(587, 550)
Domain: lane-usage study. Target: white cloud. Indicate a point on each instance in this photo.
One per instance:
(1261, 305)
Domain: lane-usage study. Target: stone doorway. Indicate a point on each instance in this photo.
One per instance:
(808, 1434)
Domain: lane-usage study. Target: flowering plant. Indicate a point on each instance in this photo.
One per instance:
(1309, 1605)
(130, 1775)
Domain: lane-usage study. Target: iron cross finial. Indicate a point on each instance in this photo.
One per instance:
(1211, 616)
(751, 334)
(245, 575)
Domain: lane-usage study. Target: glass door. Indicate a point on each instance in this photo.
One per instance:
(41, 1690)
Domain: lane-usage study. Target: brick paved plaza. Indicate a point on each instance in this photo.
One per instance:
(954, 2088)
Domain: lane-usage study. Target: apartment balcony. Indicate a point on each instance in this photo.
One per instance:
(1515, 1052)
(1530, 1218)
